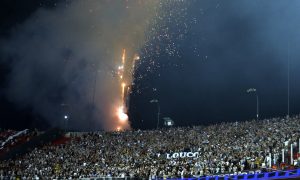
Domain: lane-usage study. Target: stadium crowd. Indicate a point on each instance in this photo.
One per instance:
(10, 138)
(223, 148)
(4, 135)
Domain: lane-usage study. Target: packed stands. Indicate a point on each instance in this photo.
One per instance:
(10, 138)
(4, 135)
(198, 151)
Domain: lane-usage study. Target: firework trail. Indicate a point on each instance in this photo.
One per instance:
(125, 78)
(71, 61)
(157, 34)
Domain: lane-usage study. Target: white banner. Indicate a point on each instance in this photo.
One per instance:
(183, 155)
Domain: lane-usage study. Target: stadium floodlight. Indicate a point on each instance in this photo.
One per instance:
(168, 121)
(253, 90)
(154, 101)
(66, 119)
(158, 110)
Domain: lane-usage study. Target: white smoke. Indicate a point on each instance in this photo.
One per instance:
(63, 60)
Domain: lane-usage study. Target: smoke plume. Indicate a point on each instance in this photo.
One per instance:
(63, 61)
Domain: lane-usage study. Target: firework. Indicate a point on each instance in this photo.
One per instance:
(159, 39)
(123, 117)
(125, 72)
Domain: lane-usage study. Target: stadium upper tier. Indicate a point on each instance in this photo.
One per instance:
(225, 148)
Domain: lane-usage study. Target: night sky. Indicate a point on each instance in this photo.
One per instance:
(12, 13)
(198, 62)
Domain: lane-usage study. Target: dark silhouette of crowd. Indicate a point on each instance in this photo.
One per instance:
(224, 148)
(10, 138)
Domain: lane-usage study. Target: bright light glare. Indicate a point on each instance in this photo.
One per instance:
(121, 115)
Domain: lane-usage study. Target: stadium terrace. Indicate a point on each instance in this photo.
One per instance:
(231, 149)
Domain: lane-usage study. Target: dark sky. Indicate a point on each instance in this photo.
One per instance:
(13, 13)
(221, 50)
(239, 44)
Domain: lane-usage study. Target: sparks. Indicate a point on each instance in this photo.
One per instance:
(121, 114)
(123, 91)
(123, 56)
(125, 73)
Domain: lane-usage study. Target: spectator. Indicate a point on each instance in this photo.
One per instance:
(223, 148)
